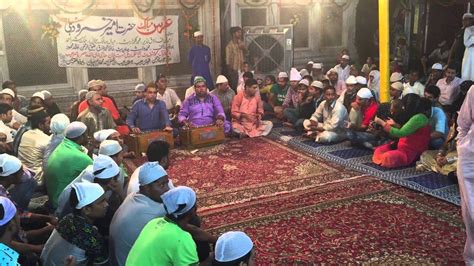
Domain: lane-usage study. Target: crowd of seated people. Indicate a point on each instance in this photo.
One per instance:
(97, 213)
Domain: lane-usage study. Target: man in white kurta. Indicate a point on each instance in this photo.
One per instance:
(468, 59)
(328, 119)
(34, 142)
(167, 95)
(343, 69)
(137, 210)
(465, 171)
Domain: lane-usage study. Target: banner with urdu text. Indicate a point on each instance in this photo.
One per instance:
(118, 42)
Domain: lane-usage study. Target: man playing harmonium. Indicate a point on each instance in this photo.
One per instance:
(202, 108)
(149, 113)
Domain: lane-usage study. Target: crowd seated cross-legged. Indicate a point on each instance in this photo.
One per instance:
(70, 196)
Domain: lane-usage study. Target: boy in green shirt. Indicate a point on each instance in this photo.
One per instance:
(278, 93)
(163, 241)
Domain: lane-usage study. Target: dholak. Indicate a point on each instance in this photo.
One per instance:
(139, 142)
(201, 136)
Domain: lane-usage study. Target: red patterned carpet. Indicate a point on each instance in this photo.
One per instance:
(242, 170)
(302, 210)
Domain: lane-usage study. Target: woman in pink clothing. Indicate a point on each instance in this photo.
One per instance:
(247, 112)
(413, 136)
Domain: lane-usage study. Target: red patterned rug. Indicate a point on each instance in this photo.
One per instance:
(302, 210)
(358, 221)
(248, 169)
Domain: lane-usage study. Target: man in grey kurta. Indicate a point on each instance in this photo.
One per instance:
(137, 210)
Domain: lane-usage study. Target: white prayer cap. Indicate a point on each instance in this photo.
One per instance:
(467, 15)
(304, 82)
(90, 95)
(361, 80)
(75, 129)
(109, 147)
(150, 172)
(39, 95)
(282, 75)
(94, 82)
(351, 80)
(9, 164)
(345, 57)
(103, 134)
(304, 72)
(104, 167)
(364, 93)
(397, 86)
(59, 122)
(87, 193)
(221, 79)
(176, 197)
(332, 70)
(396, 76)
(294, 75)
(9, 210)
(8, 91)
(232, 245)
(198, 33)
(317, 66)
(317, 84)
(46, 94)
(81, 92)
(437, 66)
(325, 77)
(140, 87)
(310, 63)
(86, 174)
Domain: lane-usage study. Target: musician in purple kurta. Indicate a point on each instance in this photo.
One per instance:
(203, 108)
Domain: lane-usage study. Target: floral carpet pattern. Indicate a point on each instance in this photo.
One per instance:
(242, 170)
(301, 209)
(363, 220)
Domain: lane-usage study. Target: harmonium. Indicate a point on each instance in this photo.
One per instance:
(198, 137)
(138, 143)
